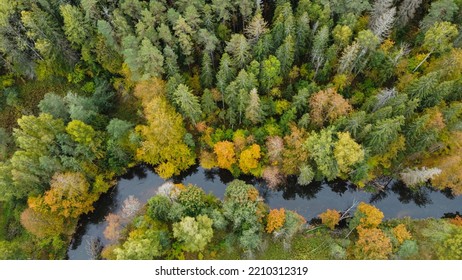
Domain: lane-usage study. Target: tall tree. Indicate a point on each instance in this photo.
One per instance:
(188, 103)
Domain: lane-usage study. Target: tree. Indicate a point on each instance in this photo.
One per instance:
(254, 112)
(349, 57)
(326, 106)
(207, 72)
(319, 46)
(401, 233)
(35, 161)
(270, 75)
(44, 224)
(407, 10)
(89, 141)
(384, 133)
(382, 18)
(273, 176)
(342, 35)
(239, 49)
(256, 28)
(372, 244)
(223, 9)
(142, 245)
(193, 199)
(366, 216)
(163, 136)
(54, 105)
(438, 39)
(321, 149)
(286, 54)
(345, 6)
(69, 195)
(330, 218)
(188, 103)
(416, 177)
(306, 175)
(194, 233)
(151, 59)
(5, 142)
(441, 10)
(113, 229)
(159, 207)
(295, 152)
(347, 152)
(249, 159)
(224, 150)
(75, 26)
(226, 73)
(275, 220)
(241, 208)
(184, 33)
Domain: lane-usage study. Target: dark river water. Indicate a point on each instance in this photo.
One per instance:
(395, 200)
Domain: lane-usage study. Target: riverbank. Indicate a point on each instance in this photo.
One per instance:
(313, 241)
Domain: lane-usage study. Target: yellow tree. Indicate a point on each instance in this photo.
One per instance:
(372, 244)
(330, 218)
(163, 135)
(69, 195)
(366, 216)
(275, 219)
(347, 152)
(226, 157)
(249, 159)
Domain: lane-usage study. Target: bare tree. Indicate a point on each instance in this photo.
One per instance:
(382, 18)
(415, 177)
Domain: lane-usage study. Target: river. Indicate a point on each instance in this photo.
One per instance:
(395, 200)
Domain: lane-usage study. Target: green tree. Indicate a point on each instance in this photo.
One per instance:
(188, 103)
(270, 75)
(54, 105)
(321, 149)
(286, 54)
(194, 233)
(239, 49)
(384, 133)
(142, 245)
(151, 59)
(75, 26)
(441, 10)
(438, 39)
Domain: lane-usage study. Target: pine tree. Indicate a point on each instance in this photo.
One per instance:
(319, 46)
(188, 103)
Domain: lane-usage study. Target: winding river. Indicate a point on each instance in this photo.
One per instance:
(395, 200)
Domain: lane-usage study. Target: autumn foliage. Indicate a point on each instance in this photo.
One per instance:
(226, 157)
(370, 216)
(372, 244)
(401, 233)
(330, 218)
(275, 220)
(249, 158)
(69, 195)
(326, 106)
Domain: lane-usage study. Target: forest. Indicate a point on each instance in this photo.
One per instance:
(316, 90)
